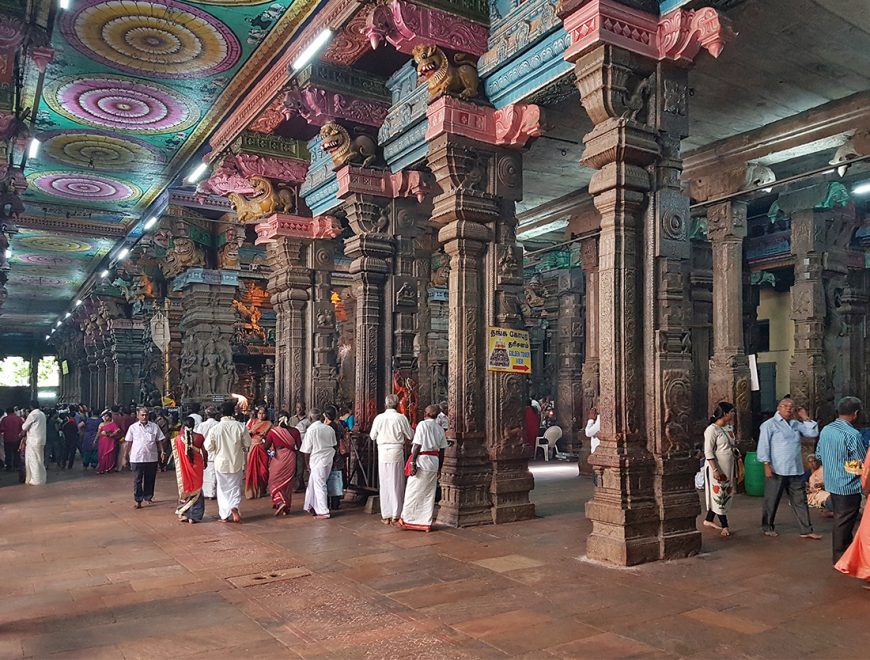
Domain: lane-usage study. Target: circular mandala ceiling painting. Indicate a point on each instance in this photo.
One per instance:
(83, 187)
(120, 103)
(45, 260)
(54, 244)
(166, 39)
(98, 151)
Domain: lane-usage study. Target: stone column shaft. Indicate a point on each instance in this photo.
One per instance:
(729, 366)
(323, 383)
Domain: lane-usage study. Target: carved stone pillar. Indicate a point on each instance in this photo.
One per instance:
(701, 294)
(369, 248)
(729, 366)
(289, 285)
(570, 408)
(207, 321)
(324, 378)
(809, 382)
(590, 374)
(623, 510)
(424, 246)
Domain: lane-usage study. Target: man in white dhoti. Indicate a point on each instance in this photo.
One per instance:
(318, 447)
(226, 444)
(208, 479)
(427, 456)
(33, 434)
(390, 430)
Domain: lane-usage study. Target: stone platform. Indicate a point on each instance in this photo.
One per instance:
(86, 576)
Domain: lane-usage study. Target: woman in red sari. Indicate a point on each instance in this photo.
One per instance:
(282, 441)
(856, 560)
(108, 434)
(190, 460)
(533, 424)
(257, 470)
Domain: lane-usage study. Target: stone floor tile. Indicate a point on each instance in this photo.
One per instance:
(607, 645)
(508, 563)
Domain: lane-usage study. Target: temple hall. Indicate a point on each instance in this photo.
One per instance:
(434, 328)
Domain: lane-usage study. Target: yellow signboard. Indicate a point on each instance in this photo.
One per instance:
(508, 350)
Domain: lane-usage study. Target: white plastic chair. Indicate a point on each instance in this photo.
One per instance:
(548, 441)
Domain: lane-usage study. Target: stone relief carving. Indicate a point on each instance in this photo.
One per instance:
(183, 254)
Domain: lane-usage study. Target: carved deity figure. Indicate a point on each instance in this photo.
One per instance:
(457, 78)
(266, 200)
(336, 141)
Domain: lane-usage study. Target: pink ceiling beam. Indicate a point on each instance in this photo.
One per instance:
(335, 14)
(678, 35)
(233, 172)
(512, 126)
(283, 225)
(405, 25)
(272, 117)
(349, 44)
(321, 106)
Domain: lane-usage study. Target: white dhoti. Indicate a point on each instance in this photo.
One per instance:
(34, 464)
(315, 493)
(392, 488)
(419, 508)
(208, 481)
(229, 492)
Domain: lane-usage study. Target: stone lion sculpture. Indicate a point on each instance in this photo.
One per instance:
(267, 200)
(336, 141)
(458, 78)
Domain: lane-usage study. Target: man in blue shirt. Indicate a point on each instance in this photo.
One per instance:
(839, 442)
(779, 448)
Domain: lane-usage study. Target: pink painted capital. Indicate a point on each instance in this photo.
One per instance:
(321, 106)
(226, 178)
(288, 170)
(406, 25)
(511, 126)
(283, 225)
(678, 35)
(382, 183)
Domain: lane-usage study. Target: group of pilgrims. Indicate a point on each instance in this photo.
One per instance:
(221, 458)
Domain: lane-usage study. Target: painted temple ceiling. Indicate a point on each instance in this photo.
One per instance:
(133, 91)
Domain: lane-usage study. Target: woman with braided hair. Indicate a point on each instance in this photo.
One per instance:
(281, 443)
(190, 461)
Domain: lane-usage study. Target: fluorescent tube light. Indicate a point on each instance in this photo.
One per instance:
(150, 222)
(311, 50)
(33, 149)
(197, 173)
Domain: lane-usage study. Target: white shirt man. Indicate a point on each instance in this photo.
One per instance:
(226, 444)
(319, 447)
(390, 430)
(209, 488)
(143, 445)
(34, 450)
(429, 443)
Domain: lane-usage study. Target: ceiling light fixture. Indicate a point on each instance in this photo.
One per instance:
(312, 49)
(33, 149)
(78, 302)
(105, 273)
(123, 253)
(64, 4)
(150, 222)
(8, 253)
(861, 188)
(67, 315)
(197, 173)
(47, 336)
(58, 324)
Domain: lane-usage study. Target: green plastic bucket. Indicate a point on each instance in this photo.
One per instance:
(754, 479)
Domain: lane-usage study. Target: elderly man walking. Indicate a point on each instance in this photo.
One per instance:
(427, 455)
(226, 444)
(779, 448)
(839, 442)
(318, 449)
(391, 430)
(145, 447)
(33, 433)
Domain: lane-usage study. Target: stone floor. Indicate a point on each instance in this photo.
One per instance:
(86, 576)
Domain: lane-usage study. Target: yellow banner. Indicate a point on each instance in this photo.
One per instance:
(508, 350)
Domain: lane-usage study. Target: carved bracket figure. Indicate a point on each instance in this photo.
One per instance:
(267, 200)
(336, 141)
(457, 78)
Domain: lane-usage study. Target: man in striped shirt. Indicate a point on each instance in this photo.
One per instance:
(839, 442)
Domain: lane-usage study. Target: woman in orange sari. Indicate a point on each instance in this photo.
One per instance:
(257, 471)
(856, 560)
(190, 460)
(282, 441)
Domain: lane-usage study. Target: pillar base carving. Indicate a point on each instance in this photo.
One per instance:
(465, 481)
